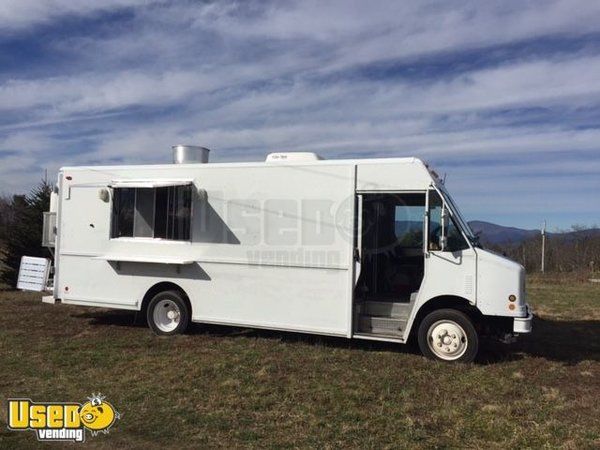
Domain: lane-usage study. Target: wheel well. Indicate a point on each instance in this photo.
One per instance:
(446, 301)
(161, 287)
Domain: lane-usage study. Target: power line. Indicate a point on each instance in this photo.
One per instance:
(543, 246)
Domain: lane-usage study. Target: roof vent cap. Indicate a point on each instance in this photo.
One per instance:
(190, 154)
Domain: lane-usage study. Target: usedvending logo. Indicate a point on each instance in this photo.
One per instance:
(62, 421)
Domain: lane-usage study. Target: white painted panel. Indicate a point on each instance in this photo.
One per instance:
(85, 220)
(93, 280)
(497, 279)
(267, 214)
(446, 273)
(293, 298)
(386, 176)
(271, 243)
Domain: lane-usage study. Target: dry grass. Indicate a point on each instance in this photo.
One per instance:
(223, 387)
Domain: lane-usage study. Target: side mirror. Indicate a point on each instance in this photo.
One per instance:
(445, 218)
(443, 240)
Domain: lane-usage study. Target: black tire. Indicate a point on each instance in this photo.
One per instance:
(451, 344)
(172, 301)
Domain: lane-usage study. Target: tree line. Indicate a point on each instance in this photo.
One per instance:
(575, 251)
(21, 223)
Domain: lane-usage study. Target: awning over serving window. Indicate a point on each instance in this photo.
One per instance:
(147, 259)
(155, 183)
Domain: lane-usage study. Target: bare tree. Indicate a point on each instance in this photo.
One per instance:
(575, 251)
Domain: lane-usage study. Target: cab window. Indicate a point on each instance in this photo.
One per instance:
(456, 241)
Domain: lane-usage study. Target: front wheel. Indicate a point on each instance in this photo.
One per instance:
(168, 313)
(448, 335)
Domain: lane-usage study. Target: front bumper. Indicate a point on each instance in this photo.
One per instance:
(523, 324)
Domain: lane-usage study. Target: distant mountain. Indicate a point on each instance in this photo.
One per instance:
(490, 233)
(493, 234)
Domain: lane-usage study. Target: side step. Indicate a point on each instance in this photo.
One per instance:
(386, 309)
(381, 325)
(383, 318)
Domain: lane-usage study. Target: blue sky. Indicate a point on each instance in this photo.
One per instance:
(502, 96)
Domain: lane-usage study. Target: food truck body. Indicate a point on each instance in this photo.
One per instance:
(365, 248)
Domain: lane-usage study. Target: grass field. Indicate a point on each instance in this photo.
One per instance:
(223, 387)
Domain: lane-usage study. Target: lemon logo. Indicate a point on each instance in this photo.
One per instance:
(62, 421)
(97, 414)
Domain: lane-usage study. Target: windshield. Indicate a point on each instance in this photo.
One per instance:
(458, 216)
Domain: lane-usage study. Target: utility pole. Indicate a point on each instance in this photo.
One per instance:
(543, 246)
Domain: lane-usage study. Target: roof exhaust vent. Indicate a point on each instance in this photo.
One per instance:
(190, 154)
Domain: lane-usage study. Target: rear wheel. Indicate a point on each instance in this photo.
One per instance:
(448, 335)
(168, 313)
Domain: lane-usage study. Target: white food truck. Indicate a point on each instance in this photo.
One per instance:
(363, 248)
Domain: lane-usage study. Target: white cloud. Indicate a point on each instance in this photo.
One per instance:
(568, 82)
(18, 14)
(246, 78)
(363, 32)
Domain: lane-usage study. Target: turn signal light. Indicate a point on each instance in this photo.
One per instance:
(511, 306)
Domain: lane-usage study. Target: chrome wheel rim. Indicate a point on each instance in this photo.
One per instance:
(166, 315)
(447, 340)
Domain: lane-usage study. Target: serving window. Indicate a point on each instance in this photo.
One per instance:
(152, 212)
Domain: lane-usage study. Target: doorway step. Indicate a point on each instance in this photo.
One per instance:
(384, 318)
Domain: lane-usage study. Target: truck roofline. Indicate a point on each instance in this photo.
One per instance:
(327, 162)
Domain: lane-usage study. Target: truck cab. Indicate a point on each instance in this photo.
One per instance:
(423, 274)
